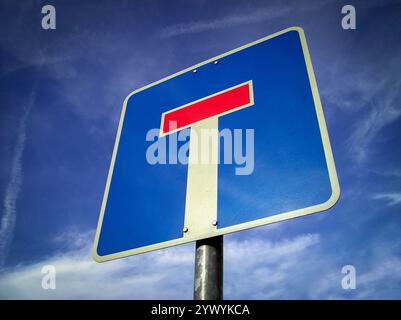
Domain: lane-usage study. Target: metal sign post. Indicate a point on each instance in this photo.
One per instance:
(208, 282)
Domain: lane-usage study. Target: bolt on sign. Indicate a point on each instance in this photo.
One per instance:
(235, 142)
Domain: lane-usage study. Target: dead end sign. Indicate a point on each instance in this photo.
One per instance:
(260, 100)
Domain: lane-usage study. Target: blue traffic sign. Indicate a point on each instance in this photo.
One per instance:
(234, 142)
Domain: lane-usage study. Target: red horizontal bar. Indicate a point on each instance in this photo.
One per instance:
(206, 108)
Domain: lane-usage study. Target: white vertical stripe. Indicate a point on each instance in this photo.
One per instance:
(201, 197)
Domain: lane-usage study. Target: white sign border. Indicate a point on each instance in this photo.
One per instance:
(247, 225)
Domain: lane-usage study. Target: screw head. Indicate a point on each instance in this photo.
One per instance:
(185, 229)
(216, 62)
(195, 71)
(214, 222)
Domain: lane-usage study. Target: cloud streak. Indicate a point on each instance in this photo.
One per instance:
(162, 274)
(255, 268)
(233, 20)
(230, 21)
(391, 198)
(380, 115)
(14, 185)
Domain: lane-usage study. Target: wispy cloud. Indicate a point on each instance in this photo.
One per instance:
(379, 281)
(254, 265)
(255, 268)
(369, 127)
(387, 172)
(233, 20)
(163, 274)
(227, 21)
(14, 185)
(392, 198)
(390, 266)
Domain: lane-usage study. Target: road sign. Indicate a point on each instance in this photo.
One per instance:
(232, 143)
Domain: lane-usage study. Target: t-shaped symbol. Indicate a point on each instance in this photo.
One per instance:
(202, 117)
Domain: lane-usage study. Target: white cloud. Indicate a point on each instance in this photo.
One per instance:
(381, 113)
(163, 274)
(387, 172)
(389, 267)
(14, 184)
(254, 268)
(382, 281)
(392, 198)
(224, 22)
(240, 18)
(378, 279)
(260, 269)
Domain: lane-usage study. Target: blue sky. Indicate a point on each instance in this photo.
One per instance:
(61, 93)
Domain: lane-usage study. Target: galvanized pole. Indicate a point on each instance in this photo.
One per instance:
(208, 284)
